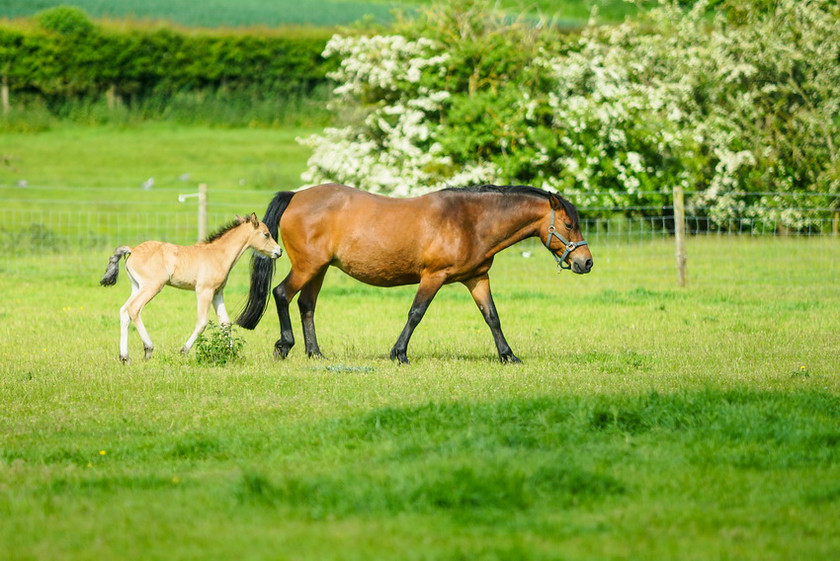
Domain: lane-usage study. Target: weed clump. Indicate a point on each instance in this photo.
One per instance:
(218, 345)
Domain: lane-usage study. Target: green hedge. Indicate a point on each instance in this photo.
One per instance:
(60, 53)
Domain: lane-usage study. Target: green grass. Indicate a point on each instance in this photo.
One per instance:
(245, 13)
(647, 422)
(216, 13)
(103, 168)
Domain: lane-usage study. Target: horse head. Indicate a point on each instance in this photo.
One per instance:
(563, 234)
(261, 239)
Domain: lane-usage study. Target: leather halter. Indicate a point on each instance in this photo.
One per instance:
(570, 246)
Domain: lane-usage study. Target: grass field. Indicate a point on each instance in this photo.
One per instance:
(216, 13)
(245, 13)
(104, 168)
(646, 422)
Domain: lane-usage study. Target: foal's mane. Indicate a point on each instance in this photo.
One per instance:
(570, 209)
(222, 231)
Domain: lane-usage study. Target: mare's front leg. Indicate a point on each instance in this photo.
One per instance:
(203, 298)
(306, 302)
(429, 287)
(479, 287)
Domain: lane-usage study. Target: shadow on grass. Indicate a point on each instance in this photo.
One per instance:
(489, 460)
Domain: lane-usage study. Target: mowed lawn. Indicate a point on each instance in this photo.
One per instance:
(123, 159)
(647, 421)
(252, 13)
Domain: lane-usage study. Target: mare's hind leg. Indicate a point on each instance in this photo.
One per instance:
(479, 287)
(306, 302)
(283, 294)
(429, 287)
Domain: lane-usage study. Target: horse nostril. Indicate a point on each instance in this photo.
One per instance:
(587, 265)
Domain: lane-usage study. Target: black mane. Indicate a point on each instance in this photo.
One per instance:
(222, 231)
(520, 190)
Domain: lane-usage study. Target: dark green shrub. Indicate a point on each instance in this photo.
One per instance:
(65, 20)
(67, 61)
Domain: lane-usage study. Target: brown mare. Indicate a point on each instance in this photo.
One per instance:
(203, 267)
(448, 236)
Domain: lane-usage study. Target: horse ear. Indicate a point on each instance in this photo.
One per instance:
(559, 203)
(554, 201)
(239, 219)
(254, 220)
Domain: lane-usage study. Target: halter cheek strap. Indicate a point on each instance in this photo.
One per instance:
(570, 246)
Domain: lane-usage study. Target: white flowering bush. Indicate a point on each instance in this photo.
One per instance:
(741, 108)
(388, 94)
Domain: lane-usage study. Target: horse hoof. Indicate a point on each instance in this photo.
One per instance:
(399, 356)
(124, 359)
(510, 359)
(282, 348)
(315, 354)
(148, 354)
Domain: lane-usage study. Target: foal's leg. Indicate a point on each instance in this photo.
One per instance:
(203, 297)
(429, 287)
(306, 302)
(130, 312)
(148, 347)
(219, 306)
(125, 321)
(479, 287)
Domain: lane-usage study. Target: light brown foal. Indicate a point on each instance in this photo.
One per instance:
(203, 267)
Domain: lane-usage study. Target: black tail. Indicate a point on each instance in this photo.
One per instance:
(113, 269)
(262, 268)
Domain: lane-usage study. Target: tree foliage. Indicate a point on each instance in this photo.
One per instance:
(733, 104)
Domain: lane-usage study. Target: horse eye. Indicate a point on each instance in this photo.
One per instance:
(267, 235)
(568, 226)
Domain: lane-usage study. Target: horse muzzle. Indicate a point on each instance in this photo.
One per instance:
(276, 252)
(582, 265)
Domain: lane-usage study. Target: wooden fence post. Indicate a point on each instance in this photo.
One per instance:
(679, 231)
(202, 211)
(111, 97)
(4, 95)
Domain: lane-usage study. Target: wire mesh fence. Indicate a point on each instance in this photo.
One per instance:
(66, 241)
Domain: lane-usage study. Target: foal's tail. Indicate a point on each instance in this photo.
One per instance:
(262, 268)
(113, 269)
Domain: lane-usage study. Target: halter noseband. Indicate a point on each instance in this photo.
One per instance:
(570, 246)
